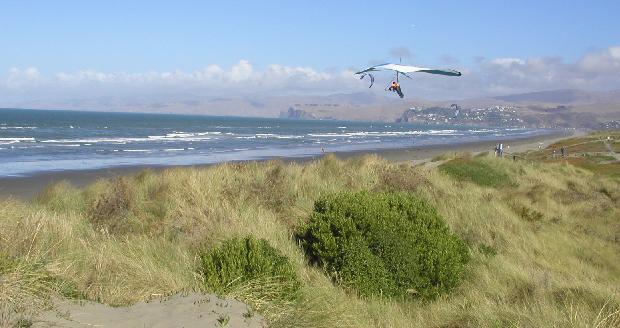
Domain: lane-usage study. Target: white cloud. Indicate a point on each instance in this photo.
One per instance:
(595, 70)
(304, 73)
(507, 62)
(213, 75)
(601, 63)
(242, 71)
(18, 78)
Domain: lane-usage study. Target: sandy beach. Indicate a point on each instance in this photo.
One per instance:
(26, 188)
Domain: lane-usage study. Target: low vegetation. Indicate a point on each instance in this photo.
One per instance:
(543, 247)
(384, 244)
(597, 152)
(240, 261)
(480, 171)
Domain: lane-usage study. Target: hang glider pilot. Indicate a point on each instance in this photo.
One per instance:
(395, 87)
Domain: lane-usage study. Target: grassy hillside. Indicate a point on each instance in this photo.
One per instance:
(598, 152)
(543, 241)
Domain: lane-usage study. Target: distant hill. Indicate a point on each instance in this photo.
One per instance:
(553, 108)
(563, 97)
(565, 107)
(566, 96)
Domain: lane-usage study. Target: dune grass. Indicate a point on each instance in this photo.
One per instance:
(544, 248)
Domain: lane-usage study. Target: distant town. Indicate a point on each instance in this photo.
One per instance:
(505, 116)
(494, 115)
(611, 125)
(529, 115)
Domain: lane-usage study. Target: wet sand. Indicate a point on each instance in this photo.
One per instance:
(26, 188)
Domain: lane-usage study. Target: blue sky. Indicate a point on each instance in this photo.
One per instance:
(135, 37)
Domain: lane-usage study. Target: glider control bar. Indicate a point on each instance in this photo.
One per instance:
(372, 78)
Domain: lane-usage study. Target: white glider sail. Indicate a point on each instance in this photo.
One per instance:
(406, 69)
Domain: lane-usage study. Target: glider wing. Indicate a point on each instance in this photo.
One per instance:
(405, 69)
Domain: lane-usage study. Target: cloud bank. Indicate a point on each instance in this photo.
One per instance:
(596, 70)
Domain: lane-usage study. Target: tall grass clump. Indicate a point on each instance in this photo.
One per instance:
(24, 289)
(251, 270)
(389, 244)
(111, 210)
(478, 171)
(240, 261)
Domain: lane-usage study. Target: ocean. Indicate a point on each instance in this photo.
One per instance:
(35, 141)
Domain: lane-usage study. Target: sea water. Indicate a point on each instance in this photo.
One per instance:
(33, 141)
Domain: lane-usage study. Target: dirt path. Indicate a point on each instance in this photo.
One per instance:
(193, 310)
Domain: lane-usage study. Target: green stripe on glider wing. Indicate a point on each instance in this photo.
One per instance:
(448, 72)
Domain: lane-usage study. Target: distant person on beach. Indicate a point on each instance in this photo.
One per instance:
(499, 150)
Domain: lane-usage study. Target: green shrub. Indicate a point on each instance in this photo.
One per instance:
(477, 171)
(239, 261)
(391, 244)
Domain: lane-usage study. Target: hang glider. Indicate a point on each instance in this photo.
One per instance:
(404, 70)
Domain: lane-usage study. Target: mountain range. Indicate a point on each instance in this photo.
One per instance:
(568, 104)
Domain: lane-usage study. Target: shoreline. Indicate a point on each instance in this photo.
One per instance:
(28, 187)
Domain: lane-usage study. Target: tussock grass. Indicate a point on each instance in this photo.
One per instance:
(24, 290)
(544, 248)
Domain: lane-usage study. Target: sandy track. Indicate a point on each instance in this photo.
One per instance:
(193, 310)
